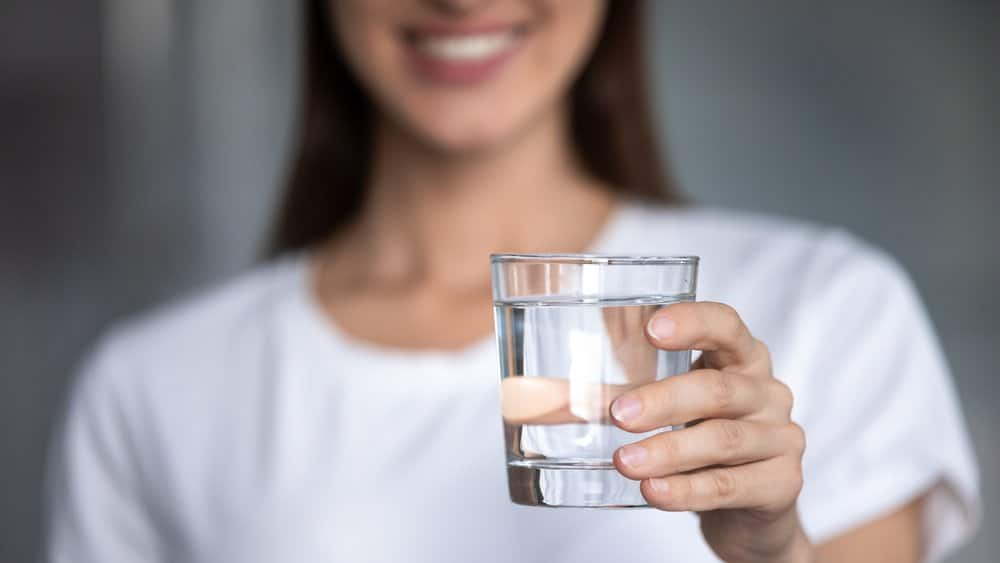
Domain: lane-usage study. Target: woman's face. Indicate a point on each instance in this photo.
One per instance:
(466, 75)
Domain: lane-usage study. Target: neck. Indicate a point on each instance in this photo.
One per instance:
(433, 217)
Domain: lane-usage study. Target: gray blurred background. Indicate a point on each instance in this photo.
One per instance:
(142, 143)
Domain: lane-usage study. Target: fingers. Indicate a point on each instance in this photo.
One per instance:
(705, 393)
(767, 485)
(630, 347)
(714, 328)
(713, 442)
(535, 400)
(554, 400)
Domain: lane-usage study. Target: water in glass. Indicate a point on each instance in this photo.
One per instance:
(562, 362)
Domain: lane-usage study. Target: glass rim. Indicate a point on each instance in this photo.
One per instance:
(603, 259)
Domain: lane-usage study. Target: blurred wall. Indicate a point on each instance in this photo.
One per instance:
(143, 140)
(53, 200)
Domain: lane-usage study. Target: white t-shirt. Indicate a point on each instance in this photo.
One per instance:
(243, 426)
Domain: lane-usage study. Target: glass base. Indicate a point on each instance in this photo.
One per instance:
(595, 486)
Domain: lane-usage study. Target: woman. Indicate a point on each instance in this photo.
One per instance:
(340, 402)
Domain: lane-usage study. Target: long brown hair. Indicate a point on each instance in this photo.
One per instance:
(611, 127)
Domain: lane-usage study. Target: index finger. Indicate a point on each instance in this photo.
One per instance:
(714, 328)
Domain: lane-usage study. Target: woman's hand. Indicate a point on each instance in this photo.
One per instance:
(740, 466)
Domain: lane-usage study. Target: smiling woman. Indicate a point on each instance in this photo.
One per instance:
(340, 402)
(602, 93)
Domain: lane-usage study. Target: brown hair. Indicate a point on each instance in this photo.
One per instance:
(611, 126)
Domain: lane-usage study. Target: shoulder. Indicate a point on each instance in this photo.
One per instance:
(191, 333)
(759, 250)
(800, 286)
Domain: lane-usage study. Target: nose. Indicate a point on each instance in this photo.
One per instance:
(458, 7)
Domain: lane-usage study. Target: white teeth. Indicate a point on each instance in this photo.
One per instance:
(466, 48)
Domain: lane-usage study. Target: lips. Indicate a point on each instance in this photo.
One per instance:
(462, 55)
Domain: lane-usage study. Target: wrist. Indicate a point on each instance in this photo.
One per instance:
(798, 547)
(801, 549)
(781, 540)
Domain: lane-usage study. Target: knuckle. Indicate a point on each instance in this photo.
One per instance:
(764, 349)
(796, 480)
(764, 355)
(798, 439)
(784, 396)
(733, 326)
(723, 391)
(730, 435)
(723, 483)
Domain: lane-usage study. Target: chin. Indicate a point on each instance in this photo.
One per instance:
(470, 144)
(469, 139)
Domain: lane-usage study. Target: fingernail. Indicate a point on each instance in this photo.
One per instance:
(659, 485)
(632, 455)
(625, 409)
(662, 327)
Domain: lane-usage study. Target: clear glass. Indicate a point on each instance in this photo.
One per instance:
(571, 337)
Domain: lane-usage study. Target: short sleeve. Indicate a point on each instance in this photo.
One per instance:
(94, 506)
(880, 411)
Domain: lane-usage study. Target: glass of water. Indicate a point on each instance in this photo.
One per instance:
(571, 337)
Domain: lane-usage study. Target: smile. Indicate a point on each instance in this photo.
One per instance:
(469, 48)
(462, 56)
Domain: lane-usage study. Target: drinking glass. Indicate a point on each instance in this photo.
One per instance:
(571, 337)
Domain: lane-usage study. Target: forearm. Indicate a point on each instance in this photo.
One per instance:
(896, 537)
